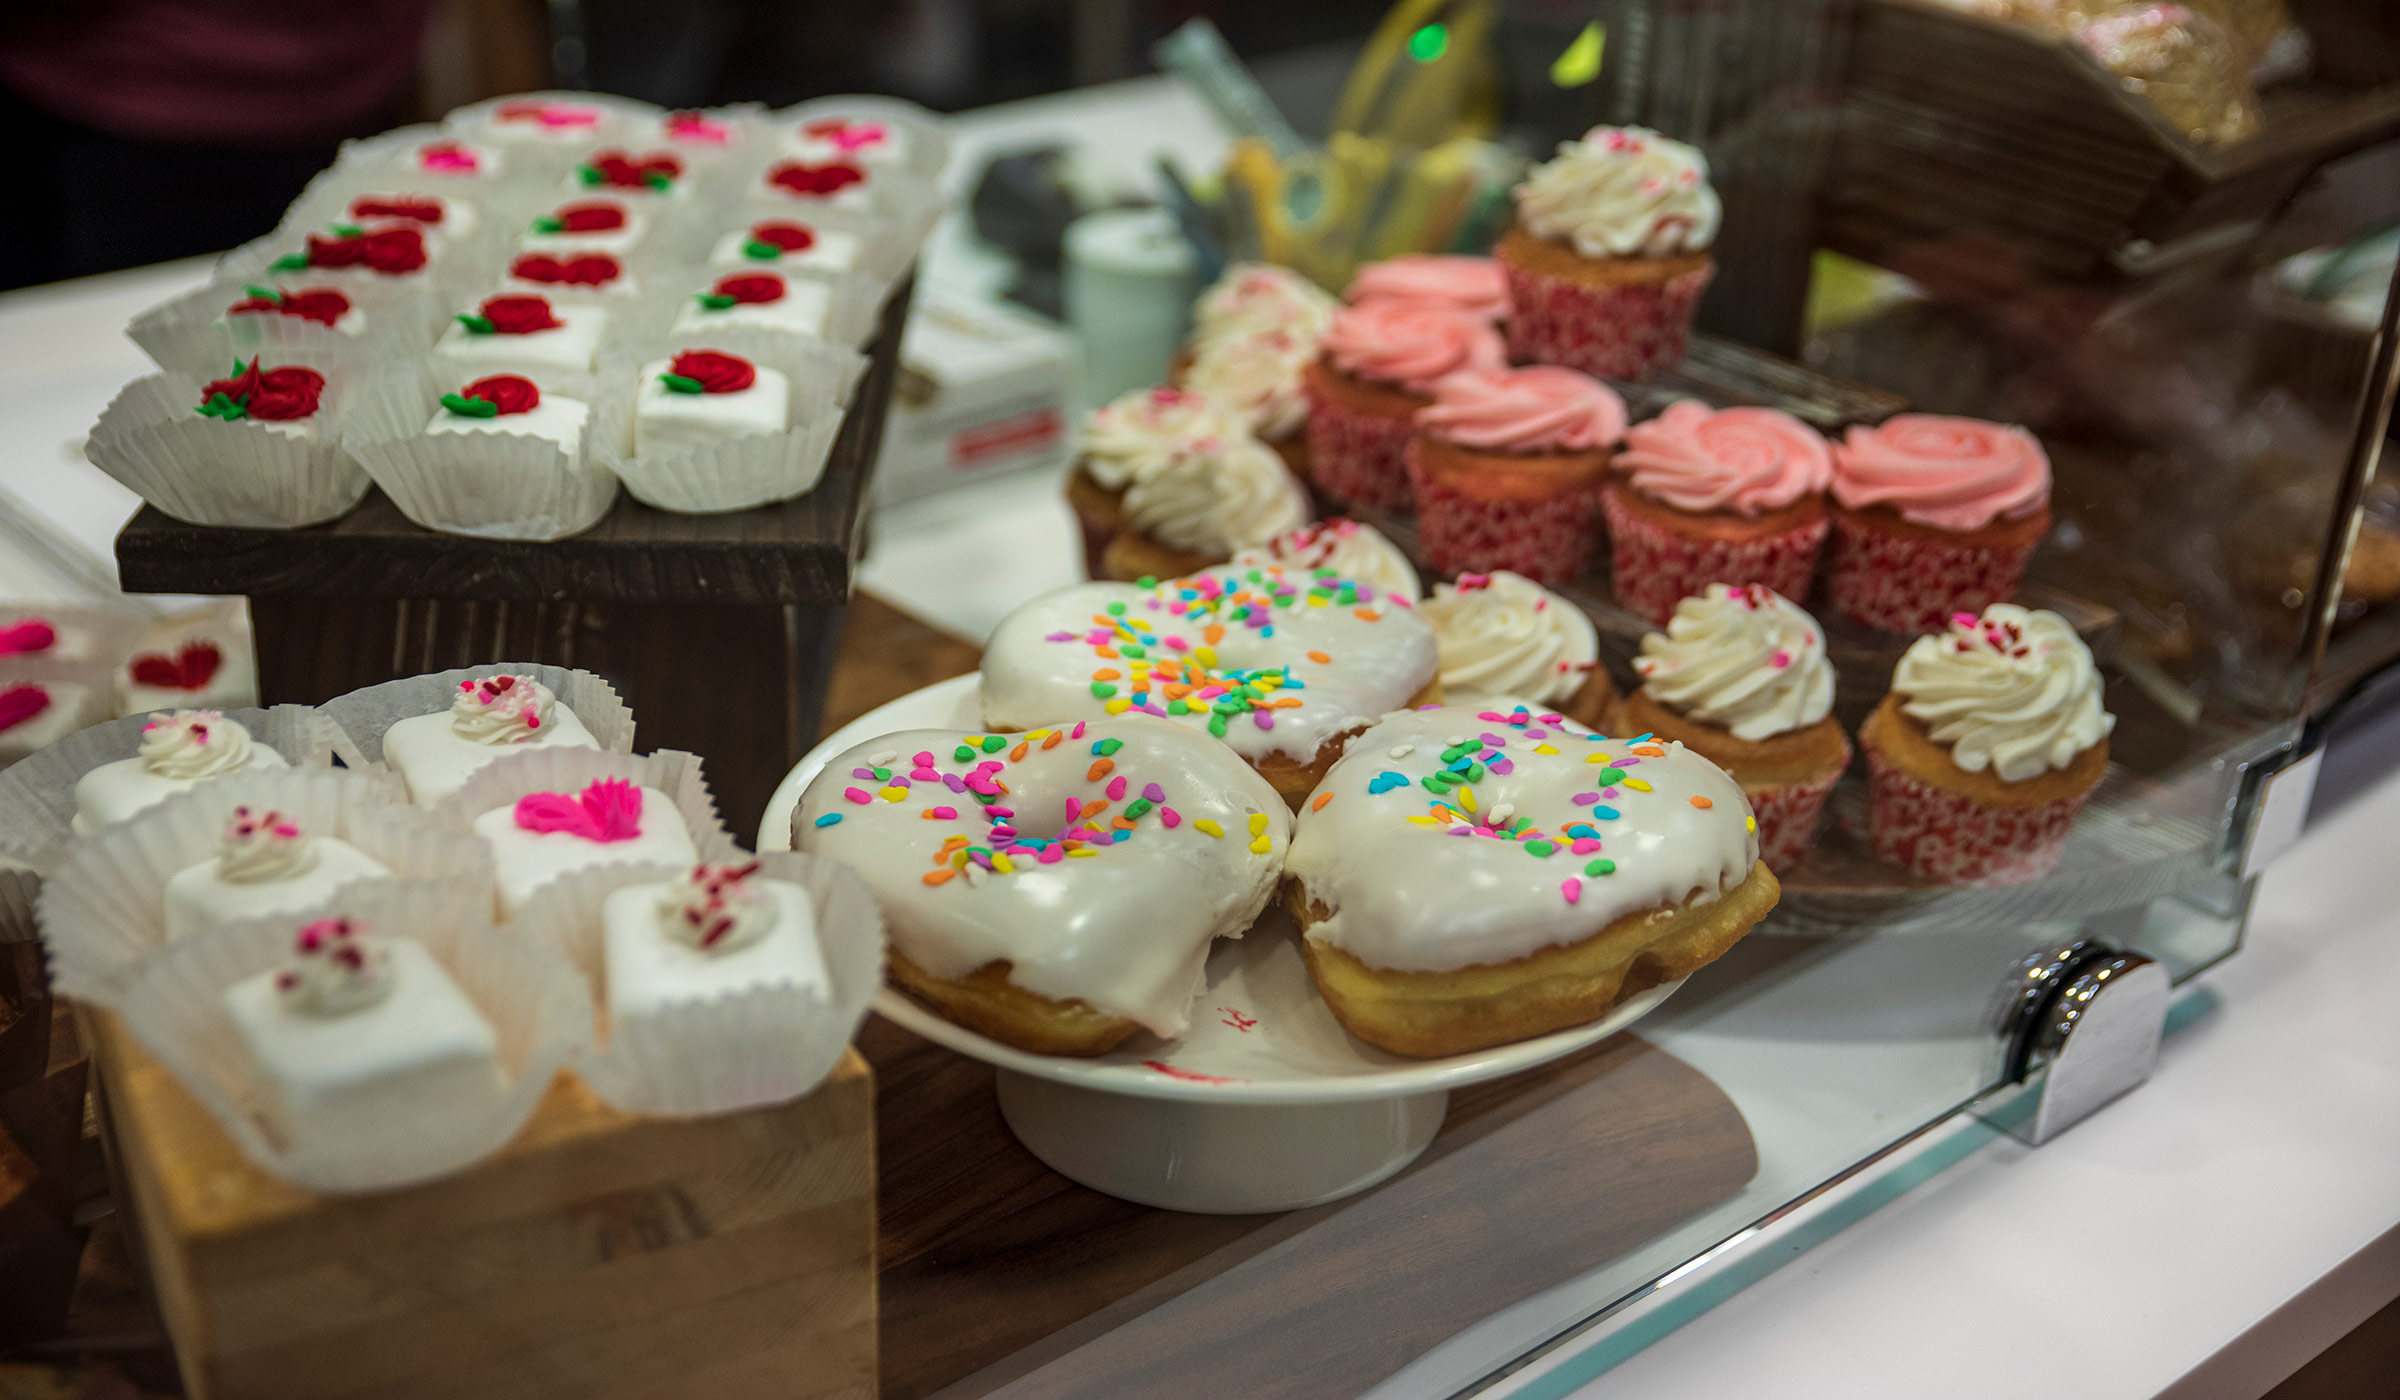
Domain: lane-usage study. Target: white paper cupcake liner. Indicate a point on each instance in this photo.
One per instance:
(928, 154)
(103, 910)
(768, 1045)
(670, 771)
(193, 334)
(207, 471)
(37, 793)
(535, 1001)
(502, 486)
(738, 473)
(364, 714)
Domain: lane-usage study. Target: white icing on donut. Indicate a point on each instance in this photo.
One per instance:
(1599, 828)
(1174, 843)
(1280, 660)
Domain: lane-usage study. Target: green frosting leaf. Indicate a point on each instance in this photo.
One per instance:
(346, 230)
(588, 175)
(760, 251)
(546, 224)
(265, 294)
(225, 406)
(466, 407)
(658, 180)
(476, 325)
(717, 301)
(289, 262)
(677, 384)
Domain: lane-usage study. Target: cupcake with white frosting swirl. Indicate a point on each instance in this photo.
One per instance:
(1218, 490)
(1609, 254)
(1741, 677)
(1254, 334)
(1132, 435)
(1992, 737)
(1502, 634)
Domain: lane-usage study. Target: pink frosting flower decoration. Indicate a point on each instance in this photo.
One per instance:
(1471, 286)
(608, 810)
(1540, 408)
(1950, 473)
(1410, 343)
(1745, 460)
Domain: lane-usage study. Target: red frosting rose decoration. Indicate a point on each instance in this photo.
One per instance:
(589, 216)
(776, 237)
(322, 305)
(422, 211)
(20, 703)
(582, 270)
(796, 177)
(709, 372)
(494, 396)
(511, 315)
(743, 289)
(276, 395)
(192, 667)
(617, 170)
(390, 251)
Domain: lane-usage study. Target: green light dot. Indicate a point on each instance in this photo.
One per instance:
(1429, 43)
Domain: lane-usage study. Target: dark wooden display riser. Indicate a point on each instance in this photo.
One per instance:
(719, 630)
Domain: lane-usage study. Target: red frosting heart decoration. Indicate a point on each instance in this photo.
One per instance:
(519, 315)
(784, 236)
(192, 667)
(592, 216)
(27, 635)
(510, 393)
(751, 288)
(609, 810)
(422, 211)
(715, 372)
(819, 180)
(582, 270)
(20, 703)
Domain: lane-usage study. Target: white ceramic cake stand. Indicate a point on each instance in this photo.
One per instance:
(1264, 1104)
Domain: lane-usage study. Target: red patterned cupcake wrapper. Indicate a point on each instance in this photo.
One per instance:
(1615, 332)
(1653, 567)
(1945, 836)
(1905, 584)
(1546, 540)
(1358, 457)
(1787, 818)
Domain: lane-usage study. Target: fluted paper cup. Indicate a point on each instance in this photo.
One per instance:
(103, 910)
(500, 486)
(535, 1002)
(207, 471)
(37, 794)
(736, 1051)
(193, 333)
(736, 473)
(366, 713)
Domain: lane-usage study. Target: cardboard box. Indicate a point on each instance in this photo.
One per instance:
(983, 390)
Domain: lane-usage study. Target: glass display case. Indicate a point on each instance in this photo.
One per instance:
(2051, 247)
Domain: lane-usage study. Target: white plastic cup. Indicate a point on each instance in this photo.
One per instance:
(1130, 280)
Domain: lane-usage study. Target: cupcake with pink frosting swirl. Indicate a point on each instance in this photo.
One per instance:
(1700, 496)
(1934, 515)
(1381, 360)
(1507, 467)
(1472, 286)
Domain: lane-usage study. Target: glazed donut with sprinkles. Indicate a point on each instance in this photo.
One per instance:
(1466, 878)
(1282, 665)
(1055, 889)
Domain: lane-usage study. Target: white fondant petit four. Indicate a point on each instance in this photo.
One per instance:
(544, 835)
(517, 405)
(609, 226)
(36, 714)
(283, 400)
(362, 1036)
(179, 752)
(434, 213)
(787, 243)
(569, 276)
(766, 301)
(524, 334)
(488, 719)
(196, 673)
(265, 864)
(704, 396)
(833, 184)
(329, 307)
(717, 931)
(856, 140)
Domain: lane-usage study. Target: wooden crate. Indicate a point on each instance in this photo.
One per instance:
(599, 1256)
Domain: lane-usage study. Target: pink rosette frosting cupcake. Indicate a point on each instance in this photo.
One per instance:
(1702, 496)
(1932, 516)
(1379, 364)
(1474, 287)
(1507, 466)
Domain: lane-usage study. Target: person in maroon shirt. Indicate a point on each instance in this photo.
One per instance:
(142, 130)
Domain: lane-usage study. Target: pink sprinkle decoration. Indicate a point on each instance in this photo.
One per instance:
(1154, 792)
(1780, 659)
(922, 759)
(1489, 718)
(1572, 888)
(1074, 810)
(944, 813)
(1052, 855)
(925, 775)
(998, 812)
(1584, 846)
(1168, 816)
(857, 794)
(609, 810)
(1078, 730)
(1116, 789)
